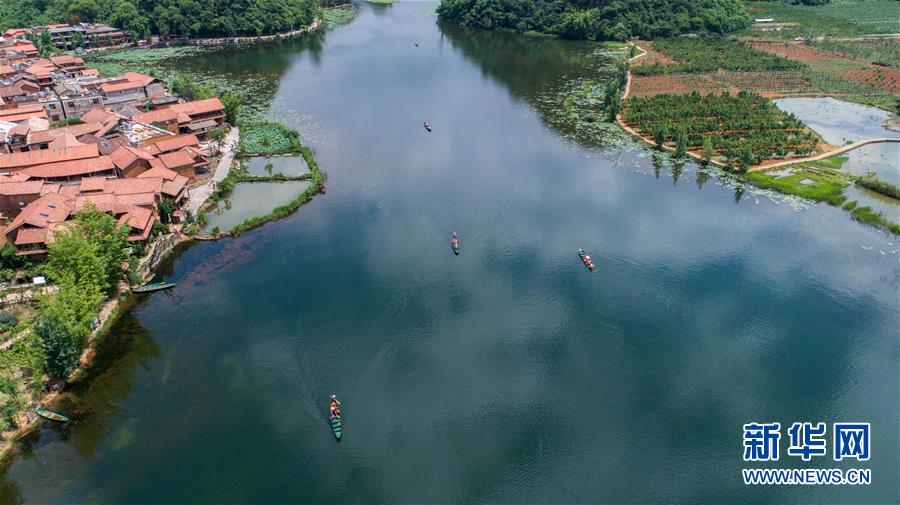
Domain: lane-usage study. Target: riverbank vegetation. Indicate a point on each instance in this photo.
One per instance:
(820, 181)
(865, 214)
(823, 181)
(743, 129)
(871, 182)
(599, 20)
(85, 261)
(141, 18)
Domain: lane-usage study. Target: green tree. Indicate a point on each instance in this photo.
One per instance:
(680, 143)
(232, 103)
(166, 208)
(83, 11)
(90, 251)
(708, 149)
(60, 346)
(660, 136)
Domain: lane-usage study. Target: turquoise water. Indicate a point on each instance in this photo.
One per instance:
(508, 374)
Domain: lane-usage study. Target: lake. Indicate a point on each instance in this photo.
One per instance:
(508, 374)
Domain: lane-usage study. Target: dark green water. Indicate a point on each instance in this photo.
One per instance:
(509, 373)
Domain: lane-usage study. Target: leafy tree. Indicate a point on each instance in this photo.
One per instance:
(60, 346)
(166, 208)
(599, 19)
(680, 143)
(232, 103)
(660, 136)
(90, 251)
(708, 149)
(83, 11)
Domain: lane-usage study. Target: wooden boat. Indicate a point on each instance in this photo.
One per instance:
(586, 259)
(454, 243)
(53, 416)
(336, 427)
(147, 288)
(427, 126)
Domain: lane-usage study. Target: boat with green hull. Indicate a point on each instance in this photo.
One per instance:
(53, 416)
(336, 427)
(156, 286)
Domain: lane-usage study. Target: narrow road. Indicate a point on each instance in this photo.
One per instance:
(828, 154)
(201, 193)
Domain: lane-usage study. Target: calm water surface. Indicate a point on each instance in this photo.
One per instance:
(509, 373)
(290, 166)
(250, 199)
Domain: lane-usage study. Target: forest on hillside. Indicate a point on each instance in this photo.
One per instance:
(599, 19)
(187, 18)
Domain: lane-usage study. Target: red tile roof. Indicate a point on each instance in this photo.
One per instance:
(72, 168)
(177, 159)
(92, 184)
(142, 79)
(120, 86)
(78, 130)
(124, 156)
(22, 113)
(156, 116)
(162, 172)
(21, 188)
(98, 115)
(199, 106)
(50, 208)
(45, 156)
(31, 236)
(174, 143)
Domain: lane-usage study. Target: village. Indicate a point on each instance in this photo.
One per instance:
(70, 138)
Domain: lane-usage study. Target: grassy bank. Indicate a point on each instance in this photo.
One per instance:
(820, 181)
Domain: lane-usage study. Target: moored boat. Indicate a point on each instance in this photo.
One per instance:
(53, 416)
(454, 243)
(147, 288)
(427, 126)
(586, 259)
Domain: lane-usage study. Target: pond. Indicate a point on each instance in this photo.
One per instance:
(882, 158)
(263, 166)
(838, 121)
(251, 199)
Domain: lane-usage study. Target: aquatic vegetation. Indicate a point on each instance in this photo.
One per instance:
(339, 16)
(866, 215)
(170, 64)
(268, 138)
(870, 181)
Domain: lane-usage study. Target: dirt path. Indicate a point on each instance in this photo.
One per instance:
(201, 193)
(822, 156)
